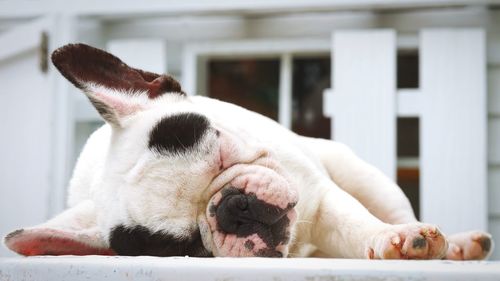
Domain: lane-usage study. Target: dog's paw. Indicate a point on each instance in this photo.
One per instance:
(473, 245)
(409, 241)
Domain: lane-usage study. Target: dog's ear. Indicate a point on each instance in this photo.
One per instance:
(73, 232)
(114, 88)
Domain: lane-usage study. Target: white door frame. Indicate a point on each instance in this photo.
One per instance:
(26, 37)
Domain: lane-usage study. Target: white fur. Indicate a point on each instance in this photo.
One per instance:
(130, 186)
(346, 207)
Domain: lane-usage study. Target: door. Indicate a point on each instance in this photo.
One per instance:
(25, 145)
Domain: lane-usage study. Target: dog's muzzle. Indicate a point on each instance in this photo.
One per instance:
(252, 215)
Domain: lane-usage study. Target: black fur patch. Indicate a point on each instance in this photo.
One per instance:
(139, 241)
(81, 63)
(245, 214)
(178, 133)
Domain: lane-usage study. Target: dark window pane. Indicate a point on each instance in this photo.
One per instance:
(407, 70)
(250, 83)
(408, 148)
(408, 137)
(310, 77)
(409, 181)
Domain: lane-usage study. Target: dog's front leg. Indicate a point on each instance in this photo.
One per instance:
(344, 228)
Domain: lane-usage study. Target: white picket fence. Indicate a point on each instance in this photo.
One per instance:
(451, 105)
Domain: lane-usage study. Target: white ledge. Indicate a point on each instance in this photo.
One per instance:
(179, 268)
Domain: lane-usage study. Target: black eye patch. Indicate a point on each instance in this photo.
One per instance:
(178, 133)
(139, 241)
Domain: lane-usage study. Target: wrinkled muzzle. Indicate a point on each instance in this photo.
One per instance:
(252, 215)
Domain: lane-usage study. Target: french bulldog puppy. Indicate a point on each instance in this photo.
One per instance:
(172, 174)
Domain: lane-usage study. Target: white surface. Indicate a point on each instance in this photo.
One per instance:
(363, 101)
(453, 129)
(179, 268)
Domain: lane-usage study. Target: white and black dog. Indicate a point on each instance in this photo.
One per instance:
(171, 174)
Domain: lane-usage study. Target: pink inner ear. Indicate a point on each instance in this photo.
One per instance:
(51, 242)
(121, 107)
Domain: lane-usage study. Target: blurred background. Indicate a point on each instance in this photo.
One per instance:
(412, 86)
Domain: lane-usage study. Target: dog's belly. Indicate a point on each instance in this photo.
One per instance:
(90, 166)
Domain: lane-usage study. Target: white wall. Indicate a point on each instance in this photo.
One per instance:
(24, 144)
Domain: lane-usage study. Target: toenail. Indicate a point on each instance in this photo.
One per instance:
(396, 240)
(432, 232)
(371, 254)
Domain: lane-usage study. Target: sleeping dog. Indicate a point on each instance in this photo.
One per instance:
(171, 174)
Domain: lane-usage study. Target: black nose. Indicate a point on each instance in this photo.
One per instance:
(244, 214)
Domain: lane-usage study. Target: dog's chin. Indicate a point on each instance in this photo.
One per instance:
(252, 214)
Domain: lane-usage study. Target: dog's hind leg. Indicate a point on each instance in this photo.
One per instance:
(379, 194)
(344, 228)
(384, 199)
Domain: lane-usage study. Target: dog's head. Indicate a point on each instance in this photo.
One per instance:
(173, 179)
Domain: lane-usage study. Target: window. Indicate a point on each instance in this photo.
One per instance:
(250, 83)
(254, 83)
(408, 174)
(311, 76)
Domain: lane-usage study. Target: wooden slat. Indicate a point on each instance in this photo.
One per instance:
(285, 91)
(408, 103)
(189, 71)
(494, 89)
(494, 191)
(259, 47)
(494, 229)
(494, 39)
(453, 128)
(494, 141)
(120, 8)
(363, 101)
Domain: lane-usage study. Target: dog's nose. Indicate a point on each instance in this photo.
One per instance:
(244, 214)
